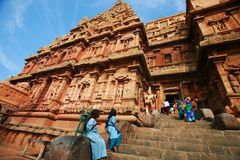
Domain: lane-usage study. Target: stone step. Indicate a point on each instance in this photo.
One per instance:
(182, 124)
(171, 154)
(187, 147)
(176, 120)
(121, 156)
(188, 129)
(176, 131)
(181, 134)
(205, 139)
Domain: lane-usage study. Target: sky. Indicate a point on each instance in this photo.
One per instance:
(27, 25)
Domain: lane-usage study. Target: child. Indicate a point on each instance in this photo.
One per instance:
(97, 143)
(115, 134)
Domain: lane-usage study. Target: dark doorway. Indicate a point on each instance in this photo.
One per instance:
(171, 97)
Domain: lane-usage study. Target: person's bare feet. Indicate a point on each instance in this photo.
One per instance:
(114, 149)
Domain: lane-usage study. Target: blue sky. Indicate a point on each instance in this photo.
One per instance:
(27, 25)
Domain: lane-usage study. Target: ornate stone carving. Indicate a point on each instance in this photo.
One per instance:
(149, 101)
(119, 92)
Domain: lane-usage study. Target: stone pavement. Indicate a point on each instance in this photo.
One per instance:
(9, 152)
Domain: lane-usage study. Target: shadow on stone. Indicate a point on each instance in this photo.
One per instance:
(69, 148)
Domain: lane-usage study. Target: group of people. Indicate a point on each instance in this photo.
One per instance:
(97, 142)
(187, 108)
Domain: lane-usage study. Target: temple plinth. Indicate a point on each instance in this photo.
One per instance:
(111, 60)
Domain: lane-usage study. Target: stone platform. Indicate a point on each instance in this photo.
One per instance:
(170, 139)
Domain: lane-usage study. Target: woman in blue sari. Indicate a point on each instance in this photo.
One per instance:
(188, 109)
(115, 134)
(97, 143)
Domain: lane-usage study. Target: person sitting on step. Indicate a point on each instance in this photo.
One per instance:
(114, 132)
(181, 108)
(97, 143)
(188, 109)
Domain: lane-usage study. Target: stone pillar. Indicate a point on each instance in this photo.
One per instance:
(50, 89)
(133, 88)
(219, 60)
(93, 80)
(158, 100)
(43, 83)
(137, 38)
(126, 88)
(61, 88)
(104, 46)
(74, 92)
(162, 96)
(181, 90)
(76, 89)
(224, 77)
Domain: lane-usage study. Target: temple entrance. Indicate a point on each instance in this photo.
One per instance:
(171, 97)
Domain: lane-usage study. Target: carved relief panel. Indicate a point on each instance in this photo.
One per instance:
(37, 90)
(54, 89)
(126, 84)
(151, 61)
(41, 62)
(28, 67)
(218, 23)
(73, 53)
(125, 42)
(100, 88)
(97, 49)
(57, 56)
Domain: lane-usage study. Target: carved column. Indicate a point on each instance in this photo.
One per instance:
(50, 89)
(104, 48)
(137, 39)
(65, 79)
(118, 42)
(40, 90)
(93, 79)
(158, 99)
(219, 60)
(127, 88)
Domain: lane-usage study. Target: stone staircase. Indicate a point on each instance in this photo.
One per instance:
(172, 139)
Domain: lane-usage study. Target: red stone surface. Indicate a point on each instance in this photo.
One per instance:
(8, 152)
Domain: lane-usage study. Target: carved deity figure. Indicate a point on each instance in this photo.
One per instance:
(149, 101)
(119, 93)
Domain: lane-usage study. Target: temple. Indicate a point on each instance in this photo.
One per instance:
(111, 61)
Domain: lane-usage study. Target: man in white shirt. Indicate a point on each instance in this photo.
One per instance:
(166, 107)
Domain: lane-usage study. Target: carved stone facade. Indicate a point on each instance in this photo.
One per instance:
(112, 59)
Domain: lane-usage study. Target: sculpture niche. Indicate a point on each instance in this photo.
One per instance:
(149, 101)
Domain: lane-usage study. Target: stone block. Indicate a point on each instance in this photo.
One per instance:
(125, 127)
(148, 121)
(225, 121)
(156, 113)
(69, 148)
(207, 114)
